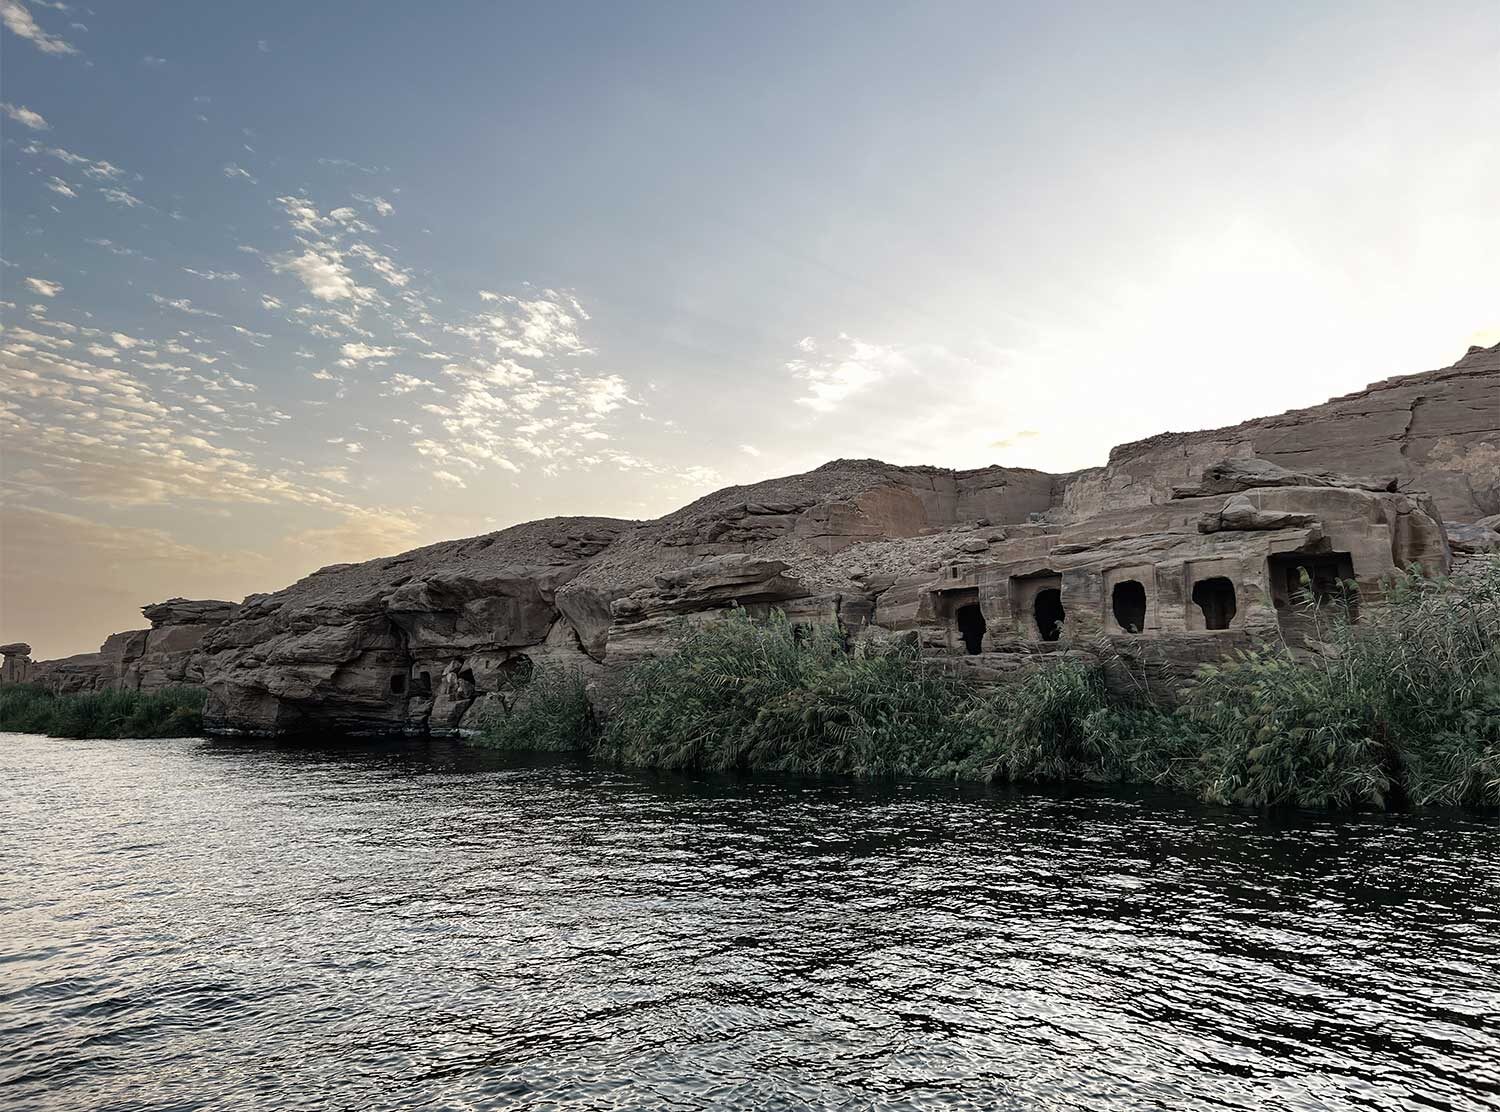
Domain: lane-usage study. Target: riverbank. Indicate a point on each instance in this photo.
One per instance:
(171, 712)
(1400, 707)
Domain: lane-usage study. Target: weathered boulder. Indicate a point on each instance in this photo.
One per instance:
(15, 662)
(187, 611)
(1240, 512)
(1476, 538)
(1231, 476)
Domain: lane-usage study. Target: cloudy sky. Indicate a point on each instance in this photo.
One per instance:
(288, 284)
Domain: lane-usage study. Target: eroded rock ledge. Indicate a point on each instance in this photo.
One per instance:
(1180, 549)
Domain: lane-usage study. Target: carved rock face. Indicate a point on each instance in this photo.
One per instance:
(1176, 551)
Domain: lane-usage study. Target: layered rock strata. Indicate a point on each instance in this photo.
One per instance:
(1180, 549)
(165, 655)
(1434, 432)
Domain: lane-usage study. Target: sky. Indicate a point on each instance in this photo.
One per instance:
(291, 284)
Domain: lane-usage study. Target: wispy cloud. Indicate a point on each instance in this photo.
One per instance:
(44, 287)
(22, 24)
(122, 197)
(57, 185)
(346, 164)
(400, 383)
(324, 276)
(833, 378)
(233, 170)
(114, 248)
(23, 115)
(98, 169)
(381, 265)
(379, 204)
(538, 326)
(182, 305)
(360, 352)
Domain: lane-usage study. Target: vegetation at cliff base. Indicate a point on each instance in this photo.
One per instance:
(170, 712)
(1403, 704)
(547, 711)
(744, 694)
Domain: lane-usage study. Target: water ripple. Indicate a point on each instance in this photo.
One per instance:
(187, 924)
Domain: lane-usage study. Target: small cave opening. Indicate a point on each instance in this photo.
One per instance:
(1049, 613)
(398, 684)
(516, 671)
(1128, 601)
(1323, 578)
(971, 627)
(1215, 597)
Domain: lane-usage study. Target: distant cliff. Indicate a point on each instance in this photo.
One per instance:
(1434, 432)
(1181, 547)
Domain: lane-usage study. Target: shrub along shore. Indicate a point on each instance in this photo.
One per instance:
(170, 712)
(1402, 706)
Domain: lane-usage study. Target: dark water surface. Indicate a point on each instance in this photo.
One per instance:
(190, 924)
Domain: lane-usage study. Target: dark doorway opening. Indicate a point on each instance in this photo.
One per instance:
(1049, 613)
(1129, 603)
(516, 670)
(971, 627)
(398, 684)
(1215, 597)
(1324, 577)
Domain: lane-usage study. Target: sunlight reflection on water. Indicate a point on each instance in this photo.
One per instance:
(213, 925)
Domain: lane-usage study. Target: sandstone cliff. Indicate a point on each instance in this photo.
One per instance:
(1182, 547)
(1435, 432)
(165, 655)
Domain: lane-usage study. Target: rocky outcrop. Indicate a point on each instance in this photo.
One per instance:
(1240, 512)
(1183, 548)
(169, 655)
(409, 643)
(165, 655)
(1476, 539)
(1437, 432)
(15, 662)
(1231, 476)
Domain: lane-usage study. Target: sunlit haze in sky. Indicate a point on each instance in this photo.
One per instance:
(289, 284)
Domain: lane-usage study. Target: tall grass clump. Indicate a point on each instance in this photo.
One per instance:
(743, 694)
(1403, 702)
(1060, 723)
(548, 710)
(170, 712)
(1401, 705)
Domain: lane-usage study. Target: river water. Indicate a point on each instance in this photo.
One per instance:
(192, 924)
